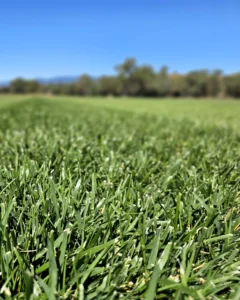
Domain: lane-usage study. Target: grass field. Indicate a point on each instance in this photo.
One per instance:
(109, 199)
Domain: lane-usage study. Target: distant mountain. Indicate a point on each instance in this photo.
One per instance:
(52, 80)
(4, 83)
(58, 79)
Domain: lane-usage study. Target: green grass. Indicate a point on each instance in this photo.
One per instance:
(218, 112)
(99, 201)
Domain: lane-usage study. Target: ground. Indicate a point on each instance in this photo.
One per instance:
(110, 198)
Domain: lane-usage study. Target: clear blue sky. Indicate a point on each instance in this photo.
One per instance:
(47, 38)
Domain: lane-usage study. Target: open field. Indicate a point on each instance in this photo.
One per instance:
(103, 199)
(212, 112)
(8, 100)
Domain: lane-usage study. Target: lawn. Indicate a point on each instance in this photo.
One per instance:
(119, 198)
(216, 112)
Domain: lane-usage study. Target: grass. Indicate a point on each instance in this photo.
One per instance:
(100, 202)
(8, 100)
(223, 113)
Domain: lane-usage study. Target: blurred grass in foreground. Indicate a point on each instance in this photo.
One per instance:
(103, 203)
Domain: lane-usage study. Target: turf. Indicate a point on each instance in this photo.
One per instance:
(100, 202)
(223, 113)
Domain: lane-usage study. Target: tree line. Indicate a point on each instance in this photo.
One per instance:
(136, 80)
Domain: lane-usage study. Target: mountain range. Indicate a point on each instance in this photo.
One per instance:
(52, 80)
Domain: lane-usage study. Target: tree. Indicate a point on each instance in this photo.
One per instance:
(32, 86)
(232, 84)
(177, 85)
(215, 85)
(141, 81)
(108, 85)
(163, 82)
(135, 80)
(160, 85)
(124, 75)
(4, 89)
(196, 83)
(127, 67)
(18, 86)
(84, 85)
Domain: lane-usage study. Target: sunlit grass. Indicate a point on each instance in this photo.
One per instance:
(206, 111)
(103, 203)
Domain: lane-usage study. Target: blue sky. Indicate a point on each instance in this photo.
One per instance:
(49, 38)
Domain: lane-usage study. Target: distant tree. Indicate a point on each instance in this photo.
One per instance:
(177, 85)
(84, 85)
(134, 80)
(125, 71)
(70, 89)
(163, 82)
(232, 85)
(4, 89)
(108, 85)
(55, 89)
(18, 85)
(196, 83)
(127, 68)
(141, 81)
(32, 86)
(215, 84)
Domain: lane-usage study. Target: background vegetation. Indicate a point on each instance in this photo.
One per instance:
(134, 80)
